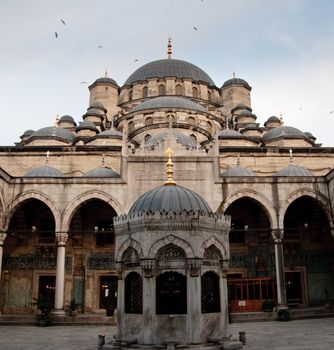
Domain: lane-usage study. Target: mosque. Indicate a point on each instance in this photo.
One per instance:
(246, 216)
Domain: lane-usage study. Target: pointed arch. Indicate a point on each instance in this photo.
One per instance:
(305, 192)
(170, 239)
(34, 195)
(2, 208)
(127, 244)
(73, 206)
(259, 198)
(213, 240)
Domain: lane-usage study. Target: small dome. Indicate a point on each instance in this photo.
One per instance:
(283, 131)
(253, 126)
(53, 131)
(237, 81)
(169, 102)
(230, 134)
(101, 171)
(293, 170)
(112, 134)
(86, 125)
(169, 68)
(105, 80)
(272, 119)
(44, 171)
(27, 133)
(67, 119)
(170, 198)
(238, 171)
(97, 105)
(93, 112)
(310, 136)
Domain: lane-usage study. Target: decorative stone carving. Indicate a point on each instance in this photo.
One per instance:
(171, 252)
(277, 235)
(101, 262)
(61, 238)
(194, 266)
(148, 266)
(3, 236)
(119, 266)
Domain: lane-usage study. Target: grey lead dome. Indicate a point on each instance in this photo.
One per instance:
(169, 68)
(44, 171)
(170, 198)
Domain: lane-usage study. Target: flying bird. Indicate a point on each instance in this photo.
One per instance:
(331, 112)
(62, 21)
(136, 60)
(84, 82)
(195, 28)
(56, 34)
(300, 108)
(100, 46)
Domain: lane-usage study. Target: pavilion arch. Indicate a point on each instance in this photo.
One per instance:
(34, 195)
(73, 206)
(305, 192)
(170, 239)
(125, 245)
(259, 198)
(2, 208)
(213, 240)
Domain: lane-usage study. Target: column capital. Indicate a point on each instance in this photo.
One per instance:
(3, 236)
(148, 266)
(61, 238)
(278, 235)
(194, 266)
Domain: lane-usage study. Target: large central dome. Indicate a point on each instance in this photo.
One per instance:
(170, 198)
(169, 68)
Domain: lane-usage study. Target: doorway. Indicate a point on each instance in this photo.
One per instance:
(108, 294)
(293, 283)
(46, 288)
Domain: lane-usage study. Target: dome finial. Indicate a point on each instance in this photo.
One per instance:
(106, 73)
(47, 158)
(57, 120)
(169, 47)
(238, 161)
(281, 119)
(103, 160)
(234, 73)
(290, 151)
(170, 172)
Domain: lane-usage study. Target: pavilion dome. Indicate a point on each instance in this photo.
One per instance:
(170, 198)
(284, 132)
(237, 81)
(44, 171)
(53, 131)
(238, 171)
(101, 171)
(230, 134)
(169, 68)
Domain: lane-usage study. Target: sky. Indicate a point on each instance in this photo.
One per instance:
(284, 49)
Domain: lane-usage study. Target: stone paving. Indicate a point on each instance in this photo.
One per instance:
(315, 334)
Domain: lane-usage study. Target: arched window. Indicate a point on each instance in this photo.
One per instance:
(149, 121)
(133, 293)
(161, 90)
(178, 90)
(210, 298)
(147, 137)
(195, 92)
(209, 96)
(193, 137)
(191, 121)
(209, 126)
(145, 91)
(131, 126)
(131, 257)
(171, 294)
(130, 95)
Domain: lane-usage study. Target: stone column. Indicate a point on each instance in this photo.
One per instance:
(149, 288)
(3, 236)
(279, 262)
(224, 307)
(194, 301)
(119, 312)
(60, 274)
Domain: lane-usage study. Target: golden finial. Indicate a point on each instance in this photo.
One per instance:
(281, 119)
(106, 73)
(170, 172)
(47, 158)
(57, 120)
(169, 48)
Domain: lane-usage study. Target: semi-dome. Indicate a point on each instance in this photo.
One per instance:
(170, 198)
(44, 171)
(169, 102)
(27, 133)
(230, 134)
(293, 170)
(169, 68)
(111, 133)
(237, 81)
(238, 171)
(283, 131)
(53, 131)
(101, 171)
